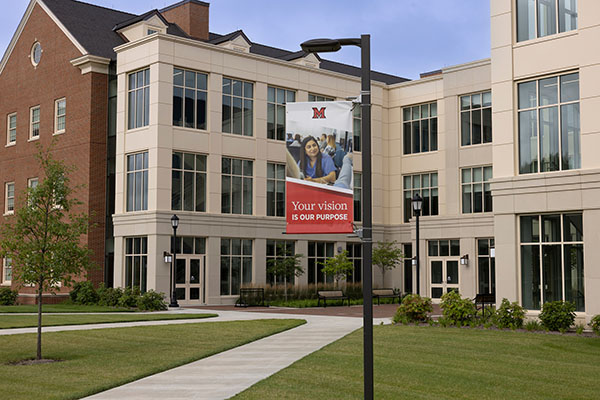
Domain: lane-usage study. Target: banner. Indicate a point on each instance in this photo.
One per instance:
(319, 172)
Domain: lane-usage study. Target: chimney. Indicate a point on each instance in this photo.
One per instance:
(191, 16)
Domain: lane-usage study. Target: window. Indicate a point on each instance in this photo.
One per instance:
(280, 249)
(151, 31)
(427, 187)
(408, 268)
(276, 190)
(138, 94)
(236, 186)
(237, 107)
(9, 198)
(318, 252)
(60, 115)
(420, 128)
(190, 91)
(355, 255)
(539, 18)
(236, 265)
(357, 127)
(32, 183)
(11, 129)
(443, 248)
(188, 182)
(476, 193)
(476, 118)
(357, 197)
(276, 100)
(34, 126)
(549, 130)
(137, 181)
(552, 259)
(190, 245)
(317, 97)
(136, 262)
(7, 270)
(486, 266)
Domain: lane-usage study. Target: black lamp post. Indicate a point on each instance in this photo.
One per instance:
(174, 224)
(364, 42)
(417, 203)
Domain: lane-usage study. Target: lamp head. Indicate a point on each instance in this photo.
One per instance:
(321, 46)
(174, 221)
(417, 202)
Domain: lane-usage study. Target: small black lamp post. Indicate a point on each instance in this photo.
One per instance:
(174, 224)
(417, 203)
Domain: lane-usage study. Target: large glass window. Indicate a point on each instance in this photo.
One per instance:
(486, 266)
(190, 245)
(355, 256)
(136, 262)
(476, 118)
(11, 129)
(276, 101)
(137, 181)
(238, 107)
(275, 190)
(549, 130)
(476, 190)
(552, 259)
(357, 196)
(188, 182)
(236, 186)
(318, 97)
(236, 265)
(138, 95)
(539, 18)
(318, 252)
(443, 248)
(420, 128)
(277, 250)
(190, 91)
(426, 185)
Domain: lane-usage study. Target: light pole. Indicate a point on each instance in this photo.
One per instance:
(364, 42)
(174, 224)
(417, 203)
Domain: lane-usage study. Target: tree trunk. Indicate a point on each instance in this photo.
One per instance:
(39, 327)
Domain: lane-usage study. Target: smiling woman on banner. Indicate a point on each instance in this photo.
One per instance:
(316, 166)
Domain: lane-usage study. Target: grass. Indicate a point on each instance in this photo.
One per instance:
(432, 363)
(96, 360)
(24, 321)
(62, 308)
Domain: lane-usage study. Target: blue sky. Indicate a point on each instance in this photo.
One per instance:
(407, 36)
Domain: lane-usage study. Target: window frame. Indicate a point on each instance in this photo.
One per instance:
(314, 269)
(133, 255)
(145, 171)
(471, 184)
(275, 204)
(8, 198)
(407, 202)
(133, 107)
(57, 116)
(230, 193)
(481, 109)
(246, 127)
(243, 256)
(196, 123)
(33, 123)
(357, 261)
(6, 265)
(319, 97)
(196, 173)
(491, 266)
(273, 102)
(536, 24)
(407, 138)
(290, 250)
(9, 129)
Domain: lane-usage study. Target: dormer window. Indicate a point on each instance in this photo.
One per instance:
(151, 31)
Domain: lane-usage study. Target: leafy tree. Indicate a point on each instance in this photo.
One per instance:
(43, 237)
(287, 265)
(339, 266)
(386, 256)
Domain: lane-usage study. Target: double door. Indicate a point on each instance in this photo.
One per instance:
(444, 277)
(189, 279)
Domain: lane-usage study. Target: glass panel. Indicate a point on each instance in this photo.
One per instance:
(424, 136)
(574, 284)
(549, 139)
(455, 247)
(551, 228)
(569, 87)
(201, 110)
(199, 246)
(176, 190)
(548, 91)
(237, 116)
(573, 228)
(567, 15)
(433, 109)
(487, 99)
(444, 248)
(483, 247)
(188, 245)
(528, 153)
(476, 101)
(465, 123)
(465, 102)
(530, 277)
(236, 274)
(436, 272)
(224, 275)
(552, 266)
(177, 106)
(527, 95)
(406, 114)
(180, 293)
(226, 114)
(525, 20)
(467, 199)
(452, 272)
(416, 137)
(237, 88)
(436, 292)
(202, 81)
(546, 17)
(570, 136)
(180, 271)
(433, 141)
(486, 124)
(248, 90)
(407, 138)
(194, 271)
(194, 293)
(530, 229)
(433, 248)
(483, 273)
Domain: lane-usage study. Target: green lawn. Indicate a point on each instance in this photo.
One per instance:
(23, 321)
(444, 363)
(95, 360)
(62, 308)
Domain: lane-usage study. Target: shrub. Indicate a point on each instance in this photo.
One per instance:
(580, 328)
(8, 297)
(456, 310)
(152, 301)
(509, 315)
(129, 298)
(595, 324)
(558, 315)
(487, 316)
(413, 308)
(109, 296)
(533, 325)
(83, 293)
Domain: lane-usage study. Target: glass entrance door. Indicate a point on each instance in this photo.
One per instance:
(444, 277)
(189, 280)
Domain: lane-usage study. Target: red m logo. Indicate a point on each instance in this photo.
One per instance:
(319, 113)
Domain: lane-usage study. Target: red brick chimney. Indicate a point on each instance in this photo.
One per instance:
(191, 16)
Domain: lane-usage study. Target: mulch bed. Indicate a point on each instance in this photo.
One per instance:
(34, 361)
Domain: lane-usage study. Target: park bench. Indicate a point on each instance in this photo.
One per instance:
(483, 299)
(386, 293)
(331, 295)
(251, 297)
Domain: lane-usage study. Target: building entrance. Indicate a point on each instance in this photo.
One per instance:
(189, 280)
(444, 277)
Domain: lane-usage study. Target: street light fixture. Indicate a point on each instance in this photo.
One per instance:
(331, 45)
(417, 203)
(174, 224)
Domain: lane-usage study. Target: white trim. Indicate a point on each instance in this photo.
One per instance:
(6, 210)
(56, 116)
(31, 109)
(8, 142)
(90, 63)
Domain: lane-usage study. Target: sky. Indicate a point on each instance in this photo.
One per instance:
(408, 37)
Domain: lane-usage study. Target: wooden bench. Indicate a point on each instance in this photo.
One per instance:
(386, 293)
(331, 295)
(483, 299)
(251, 297)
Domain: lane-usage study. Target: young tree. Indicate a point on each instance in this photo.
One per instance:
(339, 266)
(386, 256)
(285, 264)
(43, 237)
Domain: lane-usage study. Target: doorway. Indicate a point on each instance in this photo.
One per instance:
(444, 277)
(189, 280)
